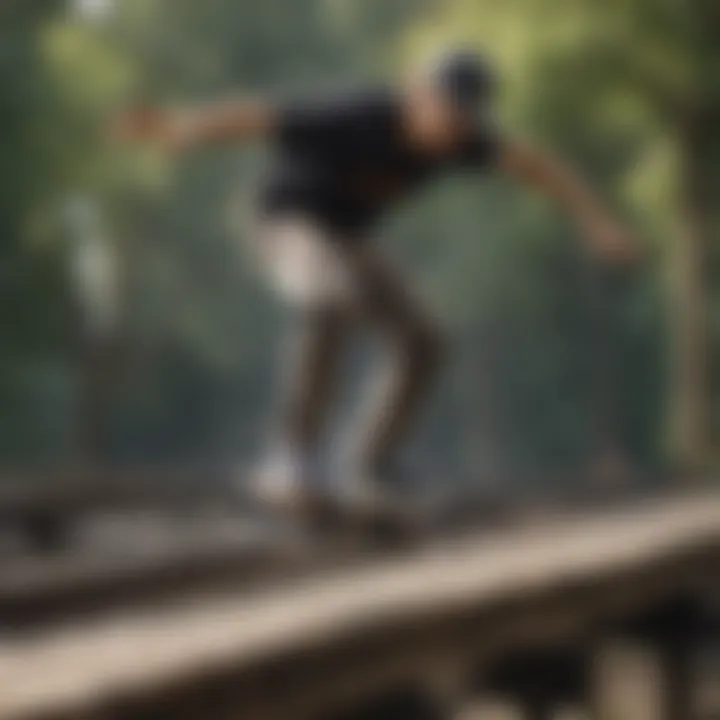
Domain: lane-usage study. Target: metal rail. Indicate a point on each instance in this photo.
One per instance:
(410, 635)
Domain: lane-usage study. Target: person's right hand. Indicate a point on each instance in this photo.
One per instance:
(171, 130)
(611, 242)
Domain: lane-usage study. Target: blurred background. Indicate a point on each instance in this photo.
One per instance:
(136, 340)
(133, 333)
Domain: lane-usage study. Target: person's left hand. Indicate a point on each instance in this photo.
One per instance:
(611, 242)
(172, 131)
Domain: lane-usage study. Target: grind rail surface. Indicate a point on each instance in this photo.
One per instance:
(306, 647)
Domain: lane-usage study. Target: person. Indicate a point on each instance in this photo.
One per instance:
(342, 163)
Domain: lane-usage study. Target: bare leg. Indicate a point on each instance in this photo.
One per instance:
(346, 282)
(310, 378)
(414, 347)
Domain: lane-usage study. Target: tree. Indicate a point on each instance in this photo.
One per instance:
(631, 88)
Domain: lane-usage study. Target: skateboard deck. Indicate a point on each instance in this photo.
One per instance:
(325, 519)
(387, 527)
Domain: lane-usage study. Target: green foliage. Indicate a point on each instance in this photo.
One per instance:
(541, 335)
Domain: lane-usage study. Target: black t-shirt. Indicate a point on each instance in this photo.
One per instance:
(344, 161)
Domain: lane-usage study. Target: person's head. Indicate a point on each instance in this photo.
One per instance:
(445, 98)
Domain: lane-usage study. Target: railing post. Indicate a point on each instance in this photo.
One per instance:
(675, 630)
(676, 662)
(538, 709)
(409, 704)
(542, 680)
(664, 641)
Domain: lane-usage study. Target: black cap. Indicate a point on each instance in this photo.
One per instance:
(466, 79)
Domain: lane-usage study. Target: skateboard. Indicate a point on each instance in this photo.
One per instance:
(323, 518)
(402, 524)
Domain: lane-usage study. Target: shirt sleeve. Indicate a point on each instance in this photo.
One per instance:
(314, 126)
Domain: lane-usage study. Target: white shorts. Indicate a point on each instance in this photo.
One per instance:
(302, 261)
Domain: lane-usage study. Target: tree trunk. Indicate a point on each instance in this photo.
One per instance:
(691, 382)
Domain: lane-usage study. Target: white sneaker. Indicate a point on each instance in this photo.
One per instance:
(285, 479)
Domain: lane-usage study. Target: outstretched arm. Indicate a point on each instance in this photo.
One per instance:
(545, 172)
(184, 129)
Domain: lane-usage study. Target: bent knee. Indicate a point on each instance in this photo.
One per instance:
(425, 344)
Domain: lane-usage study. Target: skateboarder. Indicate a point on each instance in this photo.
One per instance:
(342, 164)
